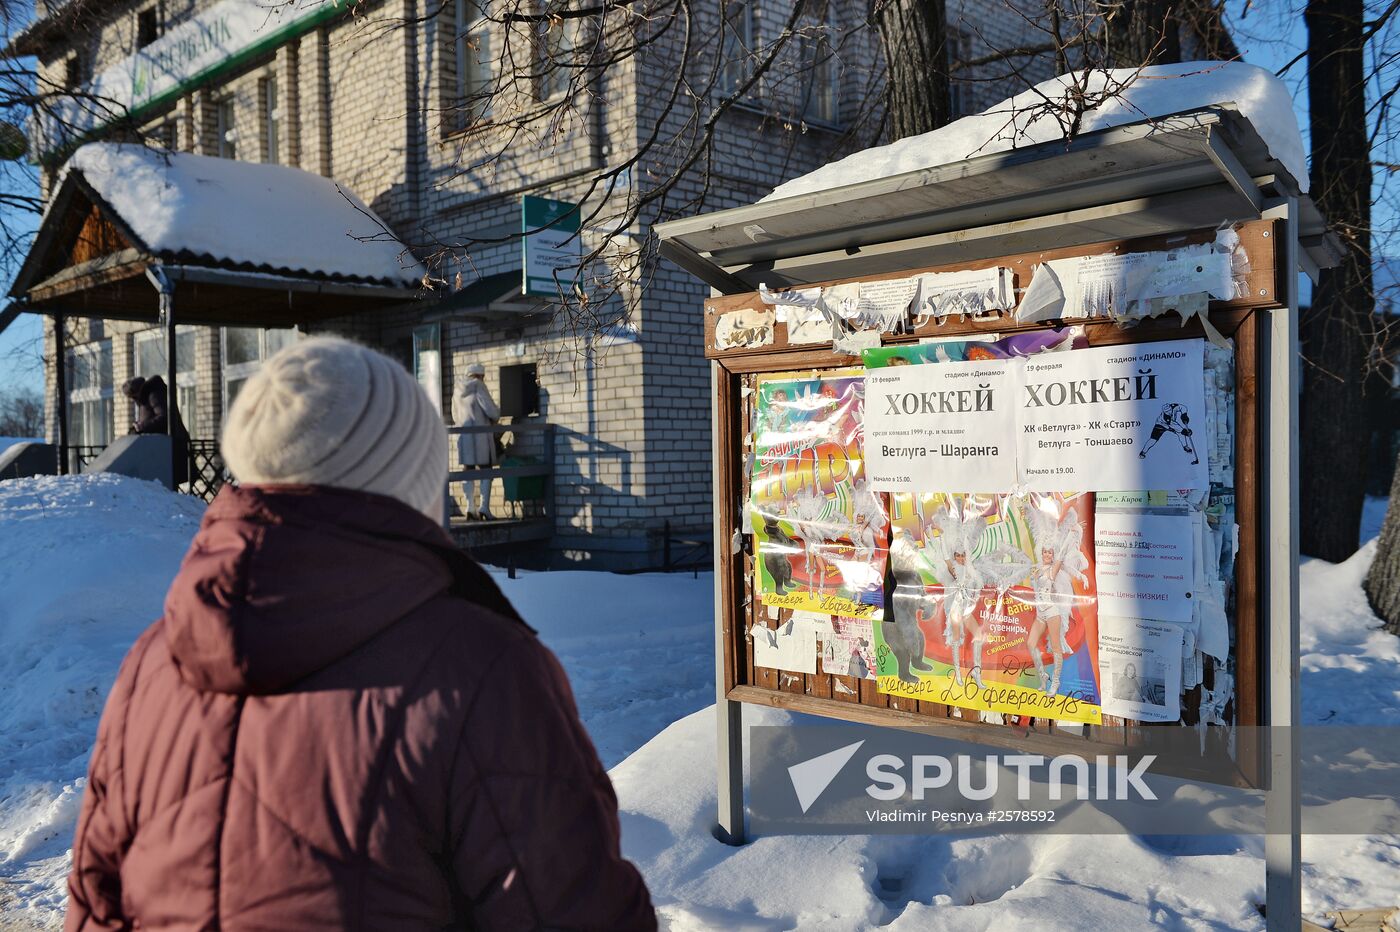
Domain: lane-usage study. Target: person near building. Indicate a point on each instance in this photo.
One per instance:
(152, 417)
(149, 396)
(340, 721)
(473, 406)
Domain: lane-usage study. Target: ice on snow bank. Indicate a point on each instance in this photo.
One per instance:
(1025, 120)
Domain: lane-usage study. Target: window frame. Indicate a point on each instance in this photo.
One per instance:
(83, 398)
(474, 77)
(734, 70)
(431, 381)
(549, 55)
(186, 378)
(74, 71)
(155, 15)
(270, 101)
(811, 50)
(242, 371)
(226, 127)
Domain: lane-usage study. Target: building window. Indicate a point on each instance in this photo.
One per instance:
(148, 26)
(74, 71)
(149, 352)
(959, 91)
(821, 79)
(244, 349)
(558, 44)
(472, 57)
(427, 360)
(740, 36)
(272, 118)
(225, 130)
(166, 135)
(90, 394)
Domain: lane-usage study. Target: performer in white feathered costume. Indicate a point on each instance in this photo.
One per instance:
(1057, 540)
(950, 556)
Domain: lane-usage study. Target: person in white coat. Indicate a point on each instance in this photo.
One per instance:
(473, 406)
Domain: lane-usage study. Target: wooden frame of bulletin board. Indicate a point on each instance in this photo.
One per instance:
(1139, 187)
(735, 372)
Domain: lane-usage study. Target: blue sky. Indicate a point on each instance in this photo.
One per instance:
(1268, 33)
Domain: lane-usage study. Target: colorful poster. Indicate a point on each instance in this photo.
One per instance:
(1008, 347)
(994, 606)
(821, 535)
(941, 427)
(1113, 418)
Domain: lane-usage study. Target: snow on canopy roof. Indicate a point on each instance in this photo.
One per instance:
(244, 214)
(1134, 95)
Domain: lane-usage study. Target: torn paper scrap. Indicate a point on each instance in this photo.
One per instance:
(743, 329)
(789, 647)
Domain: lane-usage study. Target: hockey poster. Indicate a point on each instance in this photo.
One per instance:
(1113, 418)
(995, 607)
(941, 426)
(821, 535)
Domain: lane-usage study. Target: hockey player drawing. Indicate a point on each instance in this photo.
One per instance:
(1061, 561)
(1176, 420)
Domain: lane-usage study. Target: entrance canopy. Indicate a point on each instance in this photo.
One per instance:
(243, 244)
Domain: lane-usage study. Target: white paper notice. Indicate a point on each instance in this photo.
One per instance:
(1144, 566)
(1140, 669)
(944, 426)
(790, 647)
(1112, 418)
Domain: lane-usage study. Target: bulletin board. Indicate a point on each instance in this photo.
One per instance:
(763, 355)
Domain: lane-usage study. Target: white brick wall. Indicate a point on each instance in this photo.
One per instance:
(363, 101)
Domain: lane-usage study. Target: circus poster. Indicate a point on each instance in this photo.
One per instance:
(821, 535)
(994, 607)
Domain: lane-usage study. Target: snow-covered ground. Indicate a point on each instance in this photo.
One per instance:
(84, 562)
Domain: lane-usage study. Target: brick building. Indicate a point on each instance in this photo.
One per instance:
(382, 98)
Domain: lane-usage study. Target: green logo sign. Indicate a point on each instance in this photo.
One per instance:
(552, 246)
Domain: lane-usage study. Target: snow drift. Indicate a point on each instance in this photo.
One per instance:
(85, 561)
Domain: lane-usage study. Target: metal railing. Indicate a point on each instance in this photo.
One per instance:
(79, 456)
(541, 467)
(207, 473)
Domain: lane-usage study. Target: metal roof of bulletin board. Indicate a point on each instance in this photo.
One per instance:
(1170, 174)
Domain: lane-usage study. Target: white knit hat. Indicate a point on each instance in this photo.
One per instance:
(325, 411)
(476, 368)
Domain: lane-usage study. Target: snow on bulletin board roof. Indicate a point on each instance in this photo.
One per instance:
(1130, 95)
(244, 214)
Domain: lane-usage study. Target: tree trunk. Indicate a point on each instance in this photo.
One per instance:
(1336, 332)
(1383, 580)
(1145, 32)
(914, 37)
